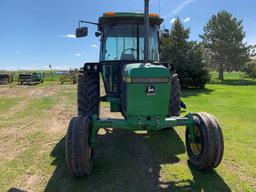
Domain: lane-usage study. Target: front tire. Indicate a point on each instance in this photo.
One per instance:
(79, 154)
(206, 152)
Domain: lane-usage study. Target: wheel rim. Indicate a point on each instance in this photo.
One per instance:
(196, 147)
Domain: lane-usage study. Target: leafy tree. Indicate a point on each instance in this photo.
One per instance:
(187, 56)
(223, 41)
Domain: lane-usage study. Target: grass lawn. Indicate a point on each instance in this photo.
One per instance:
(33, 123)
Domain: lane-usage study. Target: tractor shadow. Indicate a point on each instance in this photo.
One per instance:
(202, 181)
(128, 161)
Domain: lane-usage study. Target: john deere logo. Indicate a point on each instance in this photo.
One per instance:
(150, 90)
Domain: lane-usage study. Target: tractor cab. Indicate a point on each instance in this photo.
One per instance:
(122, 42)
(123, 37)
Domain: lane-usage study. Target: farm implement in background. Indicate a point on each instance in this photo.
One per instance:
(69, 77)
(31, 78)
(6, 78)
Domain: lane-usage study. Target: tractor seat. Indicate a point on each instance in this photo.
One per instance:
(127, 57)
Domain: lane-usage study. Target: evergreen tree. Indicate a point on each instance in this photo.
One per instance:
(223, 41)
(186, 56)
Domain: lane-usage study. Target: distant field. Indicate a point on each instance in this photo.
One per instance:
(34, 119)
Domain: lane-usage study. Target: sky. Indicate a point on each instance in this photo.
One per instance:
(37, 33)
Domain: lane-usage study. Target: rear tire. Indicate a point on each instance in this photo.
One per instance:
(88, 94)
(207, 151)
(175, 102)
(79, 154)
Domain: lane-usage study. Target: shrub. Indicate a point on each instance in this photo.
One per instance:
(250, 68)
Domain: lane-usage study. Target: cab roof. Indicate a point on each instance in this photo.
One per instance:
(125, 17)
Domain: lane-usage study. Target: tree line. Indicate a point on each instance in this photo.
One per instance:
(221, 48)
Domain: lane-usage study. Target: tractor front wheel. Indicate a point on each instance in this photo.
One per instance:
(206, 151)
(79, 153)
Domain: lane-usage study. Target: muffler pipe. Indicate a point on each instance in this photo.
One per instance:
(146, 31)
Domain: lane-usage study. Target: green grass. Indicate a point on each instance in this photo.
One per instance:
(232, 78)
(34, 139)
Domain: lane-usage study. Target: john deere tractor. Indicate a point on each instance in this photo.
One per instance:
(137, 84)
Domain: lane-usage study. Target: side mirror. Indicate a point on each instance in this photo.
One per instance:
(81, 32)
(97, 34)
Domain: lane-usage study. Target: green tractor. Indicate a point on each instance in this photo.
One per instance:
(137, 84)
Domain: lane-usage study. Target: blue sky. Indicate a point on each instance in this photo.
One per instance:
(37, 33)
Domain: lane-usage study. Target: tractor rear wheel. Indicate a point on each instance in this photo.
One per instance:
(88, 94)
(175, 102)
(79, 154)
(206, 151)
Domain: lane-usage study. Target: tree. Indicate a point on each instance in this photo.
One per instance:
(223, 41)
(250, 68)
(186, 56)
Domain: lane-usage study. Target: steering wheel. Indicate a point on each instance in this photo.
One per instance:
(131, 49)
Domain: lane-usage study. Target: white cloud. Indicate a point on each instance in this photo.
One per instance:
(72, 36)
(173, 20)
(181, 6)
(78, 54)
(17, 51)
(93, 45)
(187, 19)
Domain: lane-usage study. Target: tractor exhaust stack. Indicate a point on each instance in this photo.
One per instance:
(146, 34)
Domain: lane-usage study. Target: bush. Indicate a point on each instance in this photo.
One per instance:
(194, 74)
(250, 68)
